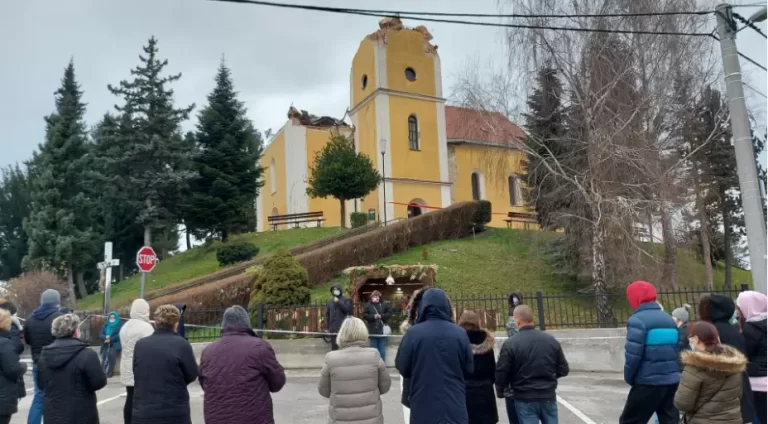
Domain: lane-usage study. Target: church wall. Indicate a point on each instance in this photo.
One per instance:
(366, 142)
(420, 164)
(363, 64)
(407, 49)
(316, 139)
(267, 198)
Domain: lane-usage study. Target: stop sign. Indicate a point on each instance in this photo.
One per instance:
(146, 259)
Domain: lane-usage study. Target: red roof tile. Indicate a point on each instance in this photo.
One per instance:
(477, 125)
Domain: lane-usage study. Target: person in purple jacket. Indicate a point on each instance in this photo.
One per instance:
(238, 372)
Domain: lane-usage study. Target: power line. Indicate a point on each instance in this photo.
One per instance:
(748, 23)
(752, 61)
(754, 89)
(406, 15)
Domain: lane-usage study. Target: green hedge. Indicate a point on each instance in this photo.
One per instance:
(233, 253)
(358, 219)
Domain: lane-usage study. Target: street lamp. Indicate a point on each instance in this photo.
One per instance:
(383, 150)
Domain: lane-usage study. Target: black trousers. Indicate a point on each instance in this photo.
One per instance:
(128, 408)
(5, 419)
(761, 406)
(334, 346)
(643, 401)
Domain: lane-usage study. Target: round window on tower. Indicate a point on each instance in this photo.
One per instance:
(410, 74)
(364, 81)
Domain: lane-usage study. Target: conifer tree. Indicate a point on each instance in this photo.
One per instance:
(153, 151)
(61, 234)
(222, 196)
(14, 208)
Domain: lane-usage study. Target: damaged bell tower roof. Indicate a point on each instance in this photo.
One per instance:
(393, 24)
(305, 118)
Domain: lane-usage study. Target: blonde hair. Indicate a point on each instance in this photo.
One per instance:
(5, 320)
(469, 320)
(352, 330)
(167, 316)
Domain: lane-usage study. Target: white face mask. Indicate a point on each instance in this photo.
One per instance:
(375, 299)
(336, 293)
(515, 301)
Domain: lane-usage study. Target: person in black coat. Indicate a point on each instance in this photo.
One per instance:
(376, 313)
(163, 366)
(11, 371)
(481, 401)
(181, 329)
(719, 310)
(69, 373)
(405, 383)
(336, 311)
(37, 334)
(16, 327)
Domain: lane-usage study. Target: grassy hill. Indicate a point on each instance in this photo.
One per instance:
(201, 260)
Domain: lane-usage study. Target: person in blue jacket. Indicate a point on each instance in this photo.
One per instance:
(435, 354)
(650, 364)
(110, 343)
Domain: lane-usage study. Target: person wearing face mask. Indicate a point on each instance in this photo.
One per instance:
(376, 313)
(514, 300)
(710, 387)
(110, 343)
(336, 311)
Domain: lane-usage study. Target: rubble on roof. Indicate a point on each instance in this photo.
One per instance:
(394, 24)
(305, 118)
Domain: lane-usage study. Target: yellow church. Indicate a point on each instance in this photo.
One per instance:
(431, 155)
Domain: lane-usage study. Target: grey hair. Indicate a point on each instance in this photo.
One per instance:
(65, 326)
(353, 330)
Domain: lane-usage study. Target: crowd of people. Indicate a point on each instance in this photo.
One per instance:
(709, 371)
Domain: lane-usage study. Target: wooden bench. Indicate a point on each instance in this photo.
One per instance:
(296, 219)
(526, 218)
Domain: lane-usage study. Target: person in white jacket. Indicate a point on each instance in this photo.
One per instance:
(132, 331)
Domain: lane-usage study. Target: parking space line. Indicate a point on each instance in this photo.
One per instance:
(582, 416)
(102, 402)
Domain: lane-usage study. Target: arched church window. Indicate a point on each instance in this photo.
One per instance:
(410, 74)
(515, 191)
(475, 186)
(272, 176)
(364, 81)
(413, 132)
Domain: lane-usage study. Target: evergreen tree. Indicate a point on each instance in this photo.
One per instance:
(341, 172)
(153, 152)
(14, 208)
(227, 163)
(282, 281)
(61, 234)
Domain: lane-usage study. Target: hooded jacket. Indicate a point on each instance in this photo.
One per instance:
(114, 336)
(435, 354)
(131, 332)
(719, 310)
(753, 307)
(710, 388)
(354, 378)
(237, 373)
(481, 399)
(11, 373)
(37, 329)
(651, 351)
(16, 327)
(69, 373)
(337, 312)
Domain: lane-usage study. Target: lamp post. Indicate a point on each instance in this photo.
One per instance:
(383, 150)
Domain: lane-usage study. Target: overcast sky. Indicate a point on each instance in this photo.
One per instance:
(278, 57)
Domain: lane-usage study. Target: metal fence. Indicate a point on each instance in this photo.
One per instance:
(551, 311)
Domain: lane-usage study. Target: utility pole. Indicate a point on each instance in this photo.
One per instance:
(742, 144)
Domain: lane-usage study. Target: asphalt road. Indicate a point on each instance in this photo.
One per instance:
(582, 398)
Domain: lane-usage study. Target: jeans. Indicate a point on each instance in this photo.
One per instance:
(36, 408)
(511, 411)
(533, 411)
(380, 344)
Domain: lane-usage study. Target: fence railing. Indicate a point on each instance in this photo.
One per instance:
(551, 311)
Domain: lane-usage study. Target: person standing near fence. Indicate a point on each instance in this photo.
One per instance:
(710, 388)
(11, 371)
(37, 334)
(437, 356)
(753, 307)
(131, 332)
(376, 313)
(110, 343)
(650, 359)
(70, 375)
(354, 378)
(336, 311)
(514, 300)
(481, 401)
(238, 373)
(163, 366)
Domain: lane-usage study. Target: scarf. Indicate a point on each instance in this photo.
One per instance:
(110, 327)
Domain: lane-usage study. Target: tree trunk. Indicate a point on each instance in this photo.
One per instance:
(121, 271)
(224, 236)
(704, 231)
(669, 274)
(81, 284)
(605, 316)
(71, 298)
(147, 235)
(650, 225)
(187, 237)
(727, 241)
(343, 213)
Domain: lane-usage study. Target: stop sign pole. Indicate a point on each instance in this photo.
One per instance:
(146, 259)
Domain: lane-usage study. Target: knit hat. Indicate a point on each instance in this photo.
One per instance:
(682, 313)
(640, 292)
(65, 326)
(236, 317)
(50, 297)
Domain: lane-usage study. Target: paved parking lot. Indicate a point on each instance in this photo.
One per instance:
(583, 399)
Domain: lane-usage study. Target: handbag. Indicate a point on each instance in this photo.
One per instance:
(385, 329)
(685, 418)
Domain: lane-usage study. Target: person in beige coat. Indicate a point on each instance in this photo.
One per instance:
(354, 378)
(710, 387)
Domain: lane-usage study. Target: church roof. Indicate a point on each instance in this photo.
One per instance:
(473, 125)
(308, 119)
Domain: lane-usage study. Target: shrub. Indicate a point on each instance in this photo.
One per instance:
(282, 281)
(483, 214)
(358, 219)
(232, 253)
(25, 290)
